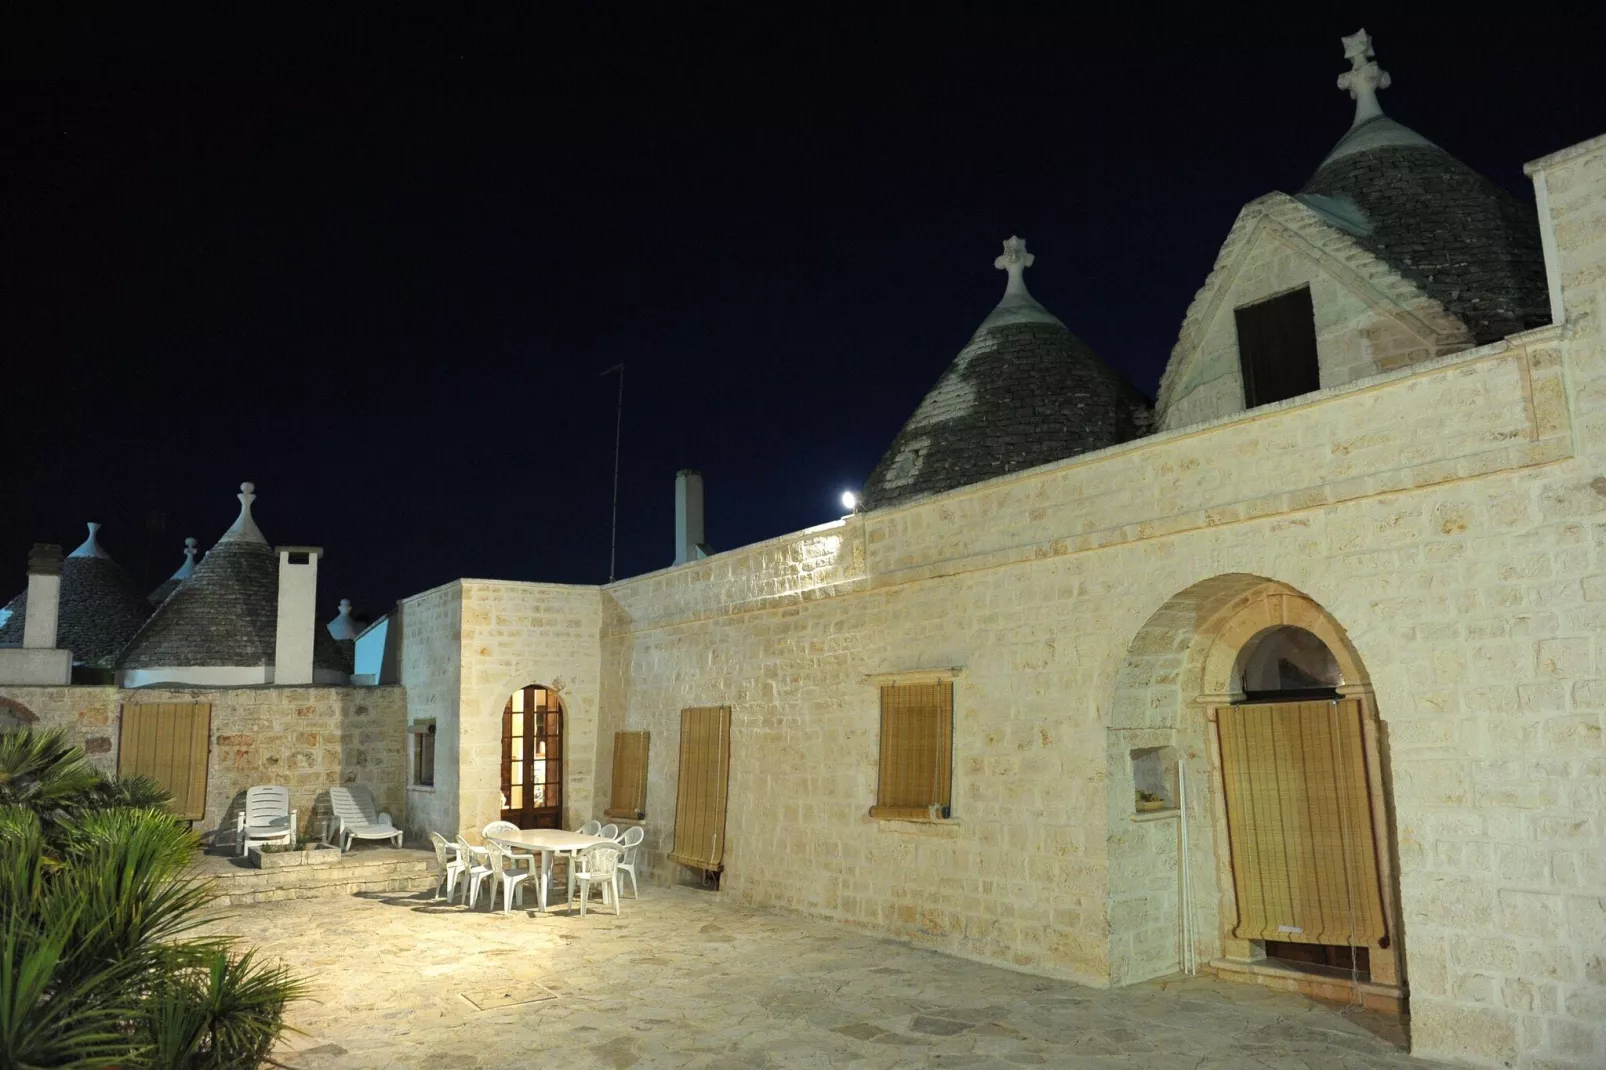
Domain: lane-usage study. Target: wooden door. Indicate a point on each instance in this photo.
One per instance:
(1300, 823)
(532, 759)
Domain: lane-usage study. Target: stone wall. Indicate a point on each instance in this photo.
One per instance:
(431, 645)
(465, 648)
(516, 634)
(1450, 516)
(306, 738)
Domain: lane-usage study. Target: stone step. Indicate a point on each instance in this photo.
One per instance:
(383, 870)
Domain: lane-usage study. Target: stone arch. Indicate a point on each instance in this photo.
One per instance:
(15, 717)
(482, 725)
(1183, 662)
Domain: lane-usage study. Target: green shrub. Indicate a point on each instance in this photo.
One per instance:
(99, 964)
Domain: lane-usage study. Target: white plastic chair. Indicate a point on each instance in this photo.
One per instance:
(599, 866)
(609, 832)
(499, 827)
(266, 818)
(355, 818)
(627, 863)
(500, 860)
(474, 872)
(452, 864)
(589, 828)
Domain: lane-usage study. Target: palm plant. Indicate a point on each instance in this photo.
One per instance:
(99, 963)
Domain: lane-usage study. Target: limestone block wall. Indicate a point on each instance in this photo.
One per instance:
(306, 738)
(1449, 516)
(1368, 319)
(431, 655)
(515, 634)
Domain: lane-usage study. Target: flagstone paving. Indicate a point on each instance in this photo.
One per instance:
(688, 979)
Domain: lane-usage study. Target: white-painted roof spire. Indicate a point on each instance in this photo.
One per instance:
(244, 527)
(1015, 260)
(1364, 78)
(1018, 305)
(90, 547)
(187, 569)
(343, 627)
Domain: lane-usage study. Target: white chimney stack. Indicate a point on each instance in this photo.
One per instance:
(44, 597)
(689, 544)
(298, 603)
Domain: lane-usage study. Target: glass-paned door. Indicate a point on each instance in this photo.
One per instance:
(532, 759)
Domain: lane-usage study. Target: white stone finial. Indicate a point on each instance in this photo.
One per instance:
(244, 526)
(1364, 78)
(343, 627)
(1015, 260)
(189, 547)
(90, 547)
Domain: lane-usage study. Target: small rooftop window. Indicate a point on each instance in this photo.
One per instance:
(1277, 348)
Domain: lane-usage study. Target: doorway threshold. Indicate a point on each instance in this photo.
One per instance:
(1269, 973)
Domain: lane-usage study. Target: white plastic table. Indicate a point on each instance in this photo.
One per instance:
(549, 842)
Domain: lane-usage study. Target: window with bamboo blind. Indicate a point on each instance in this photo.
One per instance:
(1299, 823)
(915, 780)
(628, 797)
(705, 758)
(168, 742)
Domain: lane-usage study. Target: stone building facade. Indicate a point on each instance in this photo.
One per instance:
(1434, 514)
(1436, 511)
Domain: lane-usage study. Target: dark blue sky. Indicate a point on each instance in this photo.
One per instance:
(376, 265)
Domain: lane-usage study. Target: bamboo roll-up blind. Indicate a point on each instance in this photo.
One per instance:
(1299, 821)
(628, 797)
(917, 740)
(705, 757)
(168, 742)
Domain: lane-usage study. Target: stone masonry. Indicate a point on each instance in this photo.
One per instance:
(306, 738)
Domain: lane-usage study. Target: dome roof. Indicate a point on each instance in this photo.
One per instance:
(184, 572)
(227, 612)
(1467, 243)
(101, 609)
(1024, 391)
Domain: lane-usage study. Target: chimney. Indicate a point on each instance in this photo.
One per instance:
(298, 597)
(689, 545)
(44, 597)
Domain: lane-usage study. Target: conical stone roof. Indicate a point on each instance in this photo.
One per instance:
(100, 611)
(1024, 391)
(227, 612)
(1467, 243)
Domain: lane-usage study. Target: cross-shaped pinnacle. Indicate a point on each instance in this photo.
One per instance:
(189, 549)
(1364, 78)
(1015, 260)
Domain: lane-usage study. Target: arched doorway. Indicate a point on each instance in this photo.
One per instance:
(1284, 794)
(532, 758)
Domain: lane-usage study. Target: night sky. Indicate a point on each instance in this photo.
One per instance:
(377, 265)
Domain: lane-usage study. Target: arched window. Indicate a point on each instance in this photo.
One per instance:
(532, 758)
(1289, 661)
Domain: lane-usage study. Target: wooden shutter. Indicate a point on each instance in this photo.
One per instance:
(705, 758)
(169, 742)
(917, 742)
(628, 798)
(1277, 348)
(1299, 822)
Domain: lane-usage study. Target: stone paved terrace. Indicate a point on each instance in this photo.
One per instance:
(686, 979)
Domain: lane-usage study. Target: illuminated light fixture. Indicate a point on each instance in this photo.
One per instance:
(850, 500)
